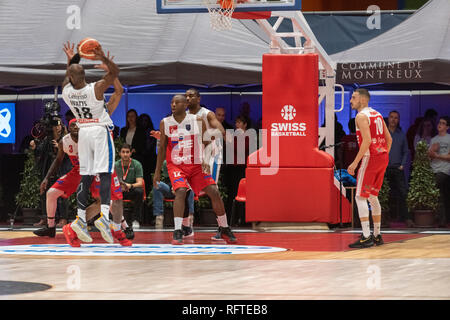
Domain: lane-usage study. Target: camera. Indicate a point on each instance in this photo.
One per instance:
(50, 119)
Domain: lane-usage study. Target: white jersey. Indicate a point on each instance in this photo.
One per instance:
(87, 109)
(203, 113)
(184, 145)
(71, 148)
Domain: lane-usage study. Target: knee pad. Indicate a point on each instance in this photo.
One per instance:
(375, 205)
(363, 207)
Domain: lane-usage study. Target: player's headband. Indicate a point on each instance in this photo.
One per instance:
(71, 121)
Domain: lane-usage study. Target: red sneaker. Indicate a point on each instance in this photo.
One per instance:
(71, 236)
(120, 236)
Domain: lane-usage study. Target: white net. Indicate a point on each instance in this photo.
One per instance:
(220, 13)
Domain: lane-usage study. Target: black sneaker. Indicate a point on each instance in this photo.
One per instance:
(129, 233)
(177, 237)
(362, 242)
(378, 240)
(46, 232)
(187, 231)
(221, 232)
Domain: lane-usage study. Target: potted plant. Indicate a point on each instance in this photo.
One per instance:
(28, 198)
(423, 195)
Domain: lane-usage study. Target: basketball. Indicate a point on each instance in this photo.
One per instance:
(226, 4)
(86, 48)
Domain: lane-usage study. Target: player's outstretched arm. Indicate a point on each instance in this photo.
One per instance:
(113, 72)
(53, 167)
(161, 155)
(115, 97)
(72, 57)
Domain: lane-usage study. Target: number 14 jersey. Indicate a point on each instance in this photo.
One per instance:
(378, 143)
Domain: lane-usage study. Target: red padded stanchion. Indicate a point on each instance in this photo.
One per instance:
(302, 190)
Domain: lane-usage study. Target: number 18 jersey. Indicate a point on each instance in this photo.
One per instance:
(84, 104)
(378, 143)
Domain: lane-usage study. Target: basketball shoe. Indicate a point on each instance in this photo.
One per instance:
(224, 231)
(103, 226)
(378, 240)
(188, 232)
(71, 236)
(120, 236)
(362, 242)
(80, 228)
(46, 232)
(177, 237)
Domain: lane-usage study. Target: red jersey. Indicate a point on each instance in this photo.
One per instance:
(184, 145)
(71, 148)
(378, 144)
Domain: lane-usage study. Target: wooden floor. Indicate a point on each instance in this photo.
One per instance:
(316, 265)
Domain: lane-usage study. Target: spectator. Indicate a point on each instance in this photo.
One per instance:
(245, 111)
(439, 153)
(412, 130)
(131, 177)
(149, 151)
(164, 190)
(395, 171)
(425, 131)
(220, 115)
(134, 135)
(235, 171)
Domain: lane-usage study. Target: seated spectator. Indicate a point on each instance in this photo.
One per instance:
(131, 177)
(439, 153)
(164, 190)
(425, 131)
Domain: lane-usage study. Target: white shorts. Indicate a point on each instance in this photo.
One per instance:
(95, 150)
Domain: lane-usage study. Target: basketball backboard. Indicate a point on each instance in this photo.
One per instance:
(190, 6)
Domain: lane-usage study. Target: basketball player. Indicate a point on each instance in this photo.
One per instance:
(374, 142)
(96, 148)
(181, 145)
(67, 184)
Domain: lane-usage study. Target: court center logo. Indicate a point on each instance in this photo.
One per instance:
(288, 112)
(5, 127)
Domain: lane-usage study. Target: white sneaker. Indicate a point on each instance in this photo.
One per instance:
(159, 222)
(136, 225)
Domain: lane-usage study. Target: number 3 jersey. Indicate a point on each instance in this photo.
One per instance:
(87, 109)
(378, 144)
(70, 147)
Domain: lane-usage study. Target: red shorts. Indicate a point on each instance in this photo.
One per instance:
(189, 176)
(371, 174)
(116, 189)
(69, 182)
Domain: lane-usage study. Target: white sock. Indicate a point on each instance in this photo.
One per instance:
(186, 222)
(365, 225)
(178, 222)
(81, 214)
(376, 228)
(124, 224)
(222, 221)
(105, 211)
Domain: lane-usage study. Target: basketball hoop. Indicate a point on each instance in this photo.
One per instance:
(220, 13)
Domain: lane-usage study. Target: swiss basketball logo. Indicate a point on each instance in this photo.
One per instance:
(288, 112)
